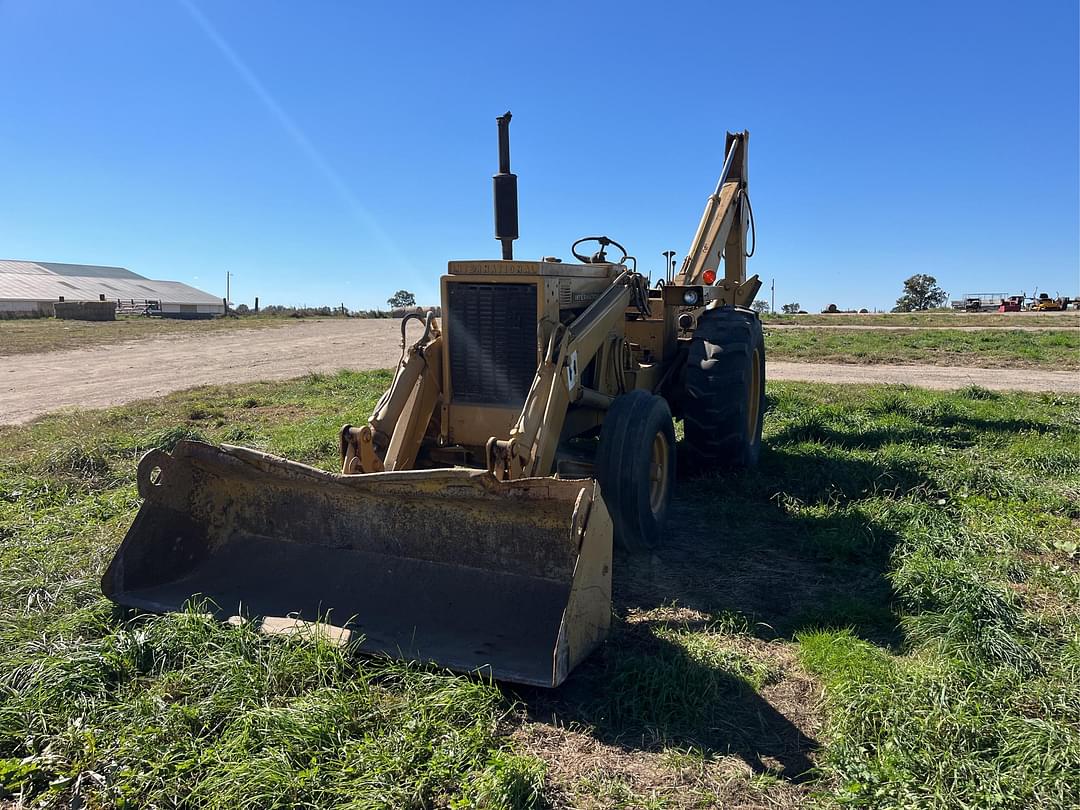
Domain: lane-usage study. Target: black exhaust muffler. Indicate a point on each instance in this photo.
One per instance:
(505, 187)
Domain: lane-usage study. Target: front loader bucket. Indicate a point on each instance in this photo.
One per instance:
(444, 566)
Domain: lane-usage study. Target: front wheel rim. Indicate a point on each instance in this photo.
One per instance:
(659, 473)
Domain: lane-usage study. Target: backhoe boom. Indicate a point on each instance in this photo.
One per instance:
(721, 234)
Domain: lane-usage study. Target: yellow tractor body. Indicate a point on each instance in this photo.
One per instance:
(526, 431)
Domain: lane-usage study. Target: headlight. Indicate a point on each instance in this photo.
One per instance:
(690, 297)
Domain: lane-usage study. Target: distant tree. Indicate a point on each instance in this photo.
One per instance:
(791, 309)
(241, 309)
(401, 300)
(921, 291)
(761, 305)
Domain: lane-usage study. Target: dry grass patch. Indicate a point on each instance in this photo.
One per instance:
(50, 334)
(583, 772)
(682, 709)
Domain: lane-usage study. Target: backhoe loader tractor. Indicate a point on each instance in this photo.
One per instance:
(524, 433)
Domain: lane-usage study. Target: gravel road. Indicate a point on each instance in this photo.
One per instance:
(941, 378)
(35, 384)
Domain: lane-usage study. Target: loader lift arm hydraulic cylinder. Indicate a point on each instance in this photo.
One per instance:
(534, 438)
(392, 437)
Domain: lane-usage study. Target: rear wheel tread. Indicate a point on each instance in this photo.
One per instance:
(717, 383)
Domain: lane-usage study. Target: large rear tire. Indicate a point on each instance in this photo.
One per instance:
(635, 465)
(724, 404)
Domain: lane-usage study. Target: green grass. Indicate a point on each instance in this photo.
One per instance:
(938, 317)
(971, 502)
(23, 336)
(883, 614)
(985, 349)
(184, 711)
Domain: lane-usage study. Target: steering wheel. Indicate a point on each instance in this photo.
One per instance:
(600, 257)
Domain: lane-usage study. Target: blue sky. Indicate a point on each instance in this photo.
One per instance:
(331, 152)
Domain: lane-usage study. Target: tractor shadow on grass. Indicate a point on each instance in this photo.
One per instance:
(642, 691)
(945, 429)
(733, 550)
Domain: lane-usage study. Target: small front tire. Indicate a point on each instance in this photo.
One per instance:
(635, 465)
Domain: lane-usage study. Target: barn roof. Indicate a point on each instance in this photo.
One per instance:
(48, 281)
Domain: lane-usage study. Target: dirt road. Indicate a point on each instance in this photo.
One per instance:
(941, 378)
(36, 384)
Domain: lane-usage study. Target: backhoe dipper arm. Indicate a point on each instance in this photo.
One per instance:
(722, 232)
(530, 450)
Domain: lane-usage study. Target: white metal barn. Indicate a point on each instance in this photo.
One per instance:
(31, 288)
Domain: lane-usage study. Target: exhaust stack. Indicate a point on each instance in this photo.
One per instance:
(505, 187)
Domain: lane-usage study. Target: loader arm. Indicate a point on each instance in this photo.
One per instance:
(392, 437)
(534, 438)
(721, 233)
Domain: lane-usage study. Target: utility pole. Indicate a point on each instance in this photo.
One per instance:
(772, 308)
(228, 276)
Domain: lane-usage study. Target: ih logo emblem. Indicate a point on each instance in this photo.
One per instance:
(571, 372)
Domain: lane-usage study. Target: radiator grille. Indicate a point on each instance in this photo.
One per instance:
(492, 331)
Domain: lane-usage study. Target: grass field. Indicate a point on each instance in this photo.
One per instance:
(23, 336)
(884, 614)
(941, 347)
(938, 317)
(1051, 349)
